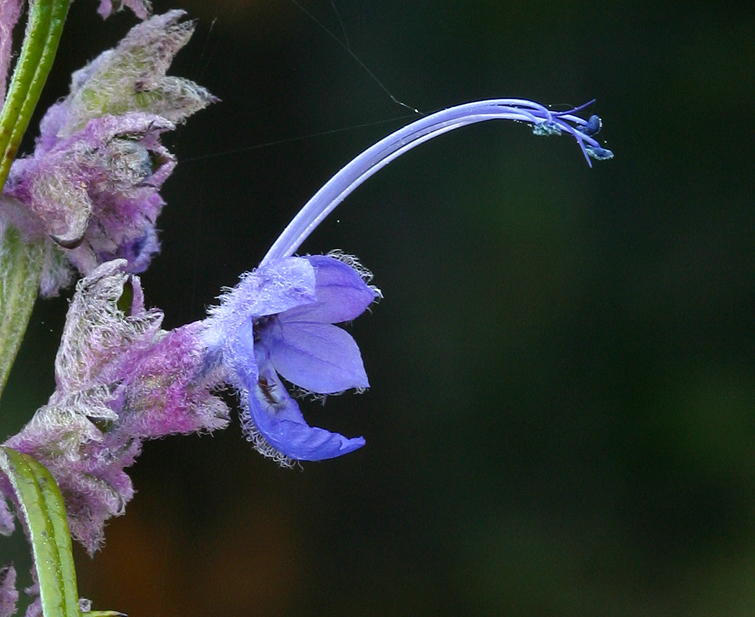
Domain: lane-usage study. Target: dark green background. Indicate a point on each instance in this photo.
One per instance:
(562, 413)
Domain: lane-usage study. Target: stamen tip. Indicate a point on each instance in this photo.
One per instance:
(593, 126)
(546, 128)
(598, 153)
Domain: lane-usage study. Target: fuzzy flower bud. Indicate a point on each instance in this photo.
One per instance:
(109, 172)
(91, 188)
(131, 77)
(120, 380)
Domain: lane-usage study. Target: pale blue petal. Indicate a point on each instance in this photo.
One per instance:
(318, 357)
(240, 356)
(272, 289)
(341, 294)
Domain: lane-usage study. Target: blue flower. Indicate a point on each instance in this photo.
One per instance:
(278, 322)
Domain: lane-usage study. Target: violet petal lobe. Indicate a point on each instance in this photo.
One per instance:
(276, 416)
(341, 293)
(321, 358)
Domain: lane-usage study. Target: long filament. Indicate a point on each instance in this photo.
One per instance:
(391, 147)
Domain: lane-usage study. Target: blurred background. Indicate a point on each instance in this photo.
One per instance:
(562, 413)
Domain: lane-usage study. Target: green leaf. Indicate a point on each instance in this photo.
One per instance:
(21, 262)
(46, 19)
(41, 505)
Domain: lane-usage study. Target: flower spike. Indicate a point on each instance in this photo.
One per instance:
(544, 121)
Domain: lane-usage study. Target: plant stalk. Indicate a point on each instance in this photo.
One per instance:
(46, 19)
(20, 266)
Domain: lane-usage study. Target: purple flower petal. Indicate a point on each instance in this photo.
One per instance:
(240, 356)
(341, 293)
(277, 320)
(321, 358)
(280, 286)
(277, 418)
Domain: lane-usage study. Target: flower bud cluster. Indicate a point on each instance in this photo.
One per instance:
(91, 188)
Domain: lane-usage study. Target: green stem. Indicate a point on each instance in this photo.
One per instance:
(20, 265)
(46, 19)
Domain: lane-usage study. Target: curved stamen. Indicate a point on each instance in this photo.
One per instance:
(322, 203)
